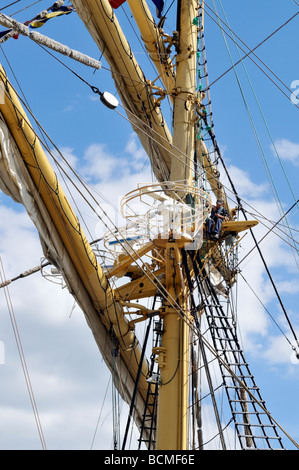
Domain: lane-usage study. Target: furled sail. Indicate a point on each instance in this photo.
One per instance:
(26, 176)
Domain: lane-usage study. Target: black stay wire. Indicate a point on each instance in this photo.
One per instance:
(251, 51)
(11, 4)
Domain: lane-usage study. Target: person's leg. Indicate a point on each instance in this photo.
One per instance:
(218, 224)
(210, 223)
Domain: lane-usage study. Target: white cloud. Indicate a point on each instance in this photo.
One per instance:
(279, 352)
(69, 156)
(287, 150)
(289, 286)
(99, 164)
(244, 184)
(134, 149)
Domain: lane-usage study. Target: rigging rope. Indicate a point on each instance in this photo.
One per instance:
(251, 51)
(271, 316)
(269, 231)
(257, 244)
(268, 171)
(209, 129)
(56, 46)
(261, 255)
(10, 4)
(95, 89)
(226, 347)
(100, 414)
(22, 357)
(115, 398)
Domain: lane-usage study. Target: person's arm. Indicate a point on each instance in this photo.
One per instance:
(222, 216)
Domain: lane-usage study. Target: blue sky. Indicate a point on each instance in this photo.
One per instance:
(68, 374)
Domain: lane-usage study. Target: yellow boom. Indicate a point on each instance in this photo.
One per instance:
(107, 312)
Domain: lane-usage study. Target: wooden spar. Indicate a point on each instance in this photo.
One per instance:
(109, 311)
(9, 22)
(102, 24)
(137, 97)
(212, 173)
(154, 43)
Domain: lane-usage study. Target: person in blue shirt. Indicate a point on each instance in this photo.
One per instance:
(217, 216)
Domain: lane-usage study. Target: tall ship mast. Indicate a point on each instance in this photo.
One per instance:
(171, 263)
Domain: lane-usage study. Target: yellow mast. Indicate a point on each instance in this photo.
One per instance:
(174, 354)
(184, 101)
(173, 360)
(154, 42)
